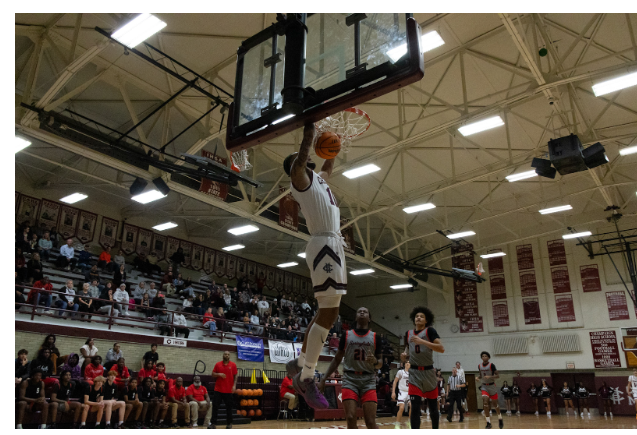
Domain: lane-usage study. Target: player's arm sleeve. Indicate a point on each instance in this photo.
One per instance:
(493, 369)
(341, 343)
(377, 349)
(432, 334)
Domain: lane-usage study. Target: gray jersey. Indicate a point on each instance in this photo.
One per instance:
(359, 374)
(487, 385)
(421, 373)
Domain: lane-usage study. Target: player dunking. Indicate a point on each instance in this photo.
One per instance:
(488, 375)
(362, 352)
(632, 387)
(420, 344)
(325, 258)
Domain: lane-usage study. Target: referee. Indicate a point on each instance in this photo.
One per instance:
(455, 384)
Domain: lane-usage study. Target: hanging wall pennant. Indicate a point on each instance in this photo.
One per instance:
(172, 244)
(231, 267)
(252, 271)
(197, 257)
(269, 280)
(67, 225)
(187, 247)
(220, 263)
(159, 246)
(129, 238)
(209, 260)
(27, 210)
(242, 268)
(86, 226)
(108, 232)
(49, 214)
(144, 241)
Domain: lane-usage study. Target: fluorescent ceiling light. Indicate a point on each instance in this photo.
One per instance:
(243, 230)
(428, 42)
(302, 254)
(623, 151)
(556, 209)
(576, 235)
(421, 207)
(460, 235)
(613, 85)
(395, 287)
(362, 272)
(283, 119)
(233, 247)
(479, 126)
(290, 264)
(363, 170)
(166, 226)
(150, 196)
(137, 31)
(73, 198)
(521, 176)
(19, 144)
(495, 254)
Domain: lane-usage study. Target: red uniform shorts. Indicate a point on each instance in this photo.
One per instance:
(415, 391)
(485, 394)
(368, 396)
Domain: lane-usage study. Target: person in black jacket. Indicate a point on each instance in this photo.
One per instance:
(22, 366)
(506, 392)
(546, 391)
(582, 397)
(177, 259)
(533, 392)
(567, 395)
(515, 396)
(119, 277)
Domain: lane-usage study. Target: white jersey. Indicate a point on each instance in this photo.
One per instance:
(632, 380)
(403, 380)
(318, 205)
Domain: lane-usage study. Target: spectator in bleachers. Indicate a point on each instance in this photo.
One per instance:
(19, 292)
(177, 259)
(151, 264)
(157, 419)
(180, 324)
(112, 356)
(227, 298)
(92, 401)
(121, 297)
(160, 367)
(138, 292)
(188, 291)
(333, 343)
(87, 352)
(198, 400)
(123, 375)
(45, 246)
(168, 278)
(209, 321)
(197, 305)
(43, 363)
(93, 274)
(21, 265)
(66, 259)
(163, 322)
(49, 343)
(93, 370)
(22, 238)
(176, 399)
(244, 300)
(152, 291)
(22, 366)
(73, 365)
(105, 261)
(119, 277)
(145, 303)
(187, 305)
(34, 268)
(222, 324)
(147, 371)
(111, 402)
(33, 243)
(275, 309)
(54, 236)
(290, 335)
(247, 326)
(151, 355)
(133, 403)
(106, 295)
(253, 304)
(85, 302)
(84, 261)
(159, 302)
(61, 399)
(119, 259)
(207, 300)
(68, 300)
(31, 398)
(41, 290)
(255, 320)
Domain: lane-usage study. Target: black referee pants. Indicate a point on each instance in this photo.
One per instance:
(227, 399)
(455, 396)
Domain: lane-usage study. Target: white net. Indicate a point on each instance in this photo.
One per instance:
(347, 124)
(240, 161)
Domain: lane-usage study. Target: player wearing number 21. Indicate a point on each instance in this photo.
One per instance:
(362, 352)
(420, 344)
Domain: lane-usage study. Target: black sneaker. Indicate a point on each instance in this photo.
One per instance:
(138, 425)
(174, 425)
(501, 423)
(229, 426)
(212, 426)
(163, 425)
(488, 426)
(449, 419)
(52, 426)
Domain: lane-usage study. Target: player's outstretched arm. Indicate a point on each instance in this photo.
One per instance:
(298, 171)
(326, 169)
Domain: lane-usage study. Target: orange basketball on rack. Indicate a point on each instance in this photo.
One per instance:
(251, 413)
(258, 413)
(248, 392)
(328, 145)
(250, 402)
(243, 402)
(243, 412)
(239, 392)
(260, 392)
(255, 402)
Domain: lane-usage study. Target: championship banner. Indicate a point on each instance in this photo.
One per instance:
(220, 263)
(86, 226)
(280, 351)
(348, 236)
(564, 307)
(129, 238)
(49, 214)
(498, 286)
(457, 248)
(214, 188)
(269, 279)
(261, 271)
(209, 260)
(252, 271)
(187, 249)
(605, 350)
(27, 210)
(159, 246)
(172, 244)
(108, 232)
(617, 308)
(528, 285)
(561, 282)
(296, 285)
(500, 313)
(67, 226)
(250, 348)
(288, 282)
(590, 278)
(531, 311)
(496, 264)
(144, 241)
(288, 211)
(197, 257)
(557, 253)
(279, 280)
(471, 324)
(242, 268)
(525, 257)
(231, 267)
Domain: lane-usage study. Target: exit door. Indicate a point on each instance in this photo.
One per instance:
(472, 400)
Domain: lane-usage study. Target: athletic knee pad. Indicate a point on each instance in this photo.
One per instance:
(331, 301)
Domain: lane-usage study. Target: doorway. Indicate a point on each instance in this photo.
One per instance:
(472, 400)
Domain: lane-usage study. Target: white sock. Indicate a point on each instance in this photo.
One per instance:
(500, 416)
(160, 421)
(315, 339)
(18, 426)
(121, 422)
(108, 422)
(301, 359)
(488, 419)
(83, 424)
(43, 426)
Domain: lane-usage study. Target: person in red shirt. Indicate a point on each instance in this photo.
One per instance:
(147, 371)
(198, 399)
(177, 400)
(123, 376)
(104, 260)
(209, 321)
(225, 374)
(41, 290)
(287, 392)
(94, 369)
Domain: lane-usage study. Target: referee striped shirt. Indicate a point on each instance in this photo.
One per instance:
(454, 381)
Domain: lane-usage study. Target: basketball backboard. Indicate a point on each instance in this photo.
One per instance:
(307, 67)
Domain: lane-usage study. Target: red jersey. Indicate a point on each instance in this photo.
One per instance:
(286, 387)
(143, 373)
(121, 374)
(177, 393)
(91, 372)
(105, 256)
(208, 317)
(199, 394)
(230, 370)
(161, 376)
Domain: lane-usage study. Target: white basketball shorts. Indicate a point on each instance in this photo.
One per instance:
(326, 259)
(403, 396)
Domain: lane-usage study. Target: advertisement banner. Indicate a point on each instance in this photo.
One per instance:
(269, 279)
(500, 313)
(129, 238)
(144, 241)
(159, 246)
(86, 226)
(280, 351)
(288, 211)
(528, 286)
(348, 236)
(67, 226)
(557, 253)
(231, 267)
(27, 210)
(498, 287)
(617, 308)
(297, 349)
(197, 257)
(209, 260)
(496, 264)
(531, 311)
(559, 276)
(605, 350)
(220, 263)
(49, 214)
(590, 278)
(250, 348)
(172, 244)
(525, 257)
(471, 324)
(242, 268)
(108, 232)
(187, 247)
(565, 308)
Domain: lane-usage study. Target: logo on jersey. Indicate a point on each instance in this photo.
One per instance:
(328, 267)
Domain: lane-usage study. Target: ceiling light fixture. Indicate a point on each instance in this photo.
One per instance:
(363, 170)
(362, 272)
(291, 115)
(556, 209)
(576, 235)
(137, 31)
(20, 144)
(243, 230)
(460, 235)
(150, 196)
(73, 198)
(166, 226)
(615, 84)
(233, 247)
(495, 254)
(290, 264)
(477, 127)
(627, 151)
(521, 176)
(421, 207)
(302, 254)
(428, 42)
(398, 286)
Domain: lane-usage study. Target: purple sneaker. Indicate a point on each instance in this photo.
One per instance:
(310, 392)
(293, 367)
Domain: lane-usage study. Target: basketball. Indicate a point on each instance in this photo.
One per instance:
(251, 413)
(243, 402)
(255, 402)
(243, 412)
(258, 413)
(327, 146)
(250, 402)
(239, 392)
(259, 392)
(249, 392)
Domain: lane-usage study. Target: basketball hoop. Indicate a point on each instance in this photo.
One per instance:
(240, 161)
(347, 125)
(480, 269)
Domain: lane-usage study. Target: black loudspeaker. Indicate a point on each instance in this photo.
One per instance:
(595, 155)
(566, 154)
(161, 186)
(138, 186)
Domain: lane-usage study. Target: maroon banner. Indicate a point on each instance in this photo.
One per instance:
(214, 188)
(617, 308)
(464, 261)
(27, 210)
(108, 232)
(242, 268)
(288, 211)
(220, 263)
(172, 244)
(187, 247)
(531, 311)
(525, 257)
(605, 350)
(496, 264)
(129, 238)
(67, 226)
(231, 267)
(498, 287)
(528, 286)
(561, 282)
(303, 289)
(471, 324)
(590, 278)
(500, 313)
(279, 284)
(557, 253)
(252, 271)
(159, 246)
(564, 307)
(86, 226)
(288, 282)
(348, 236)
(144, 241)
(209, 260)
(465, 298)
(269, 280)
(196, 262)
(49, 214)
(261, 272)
